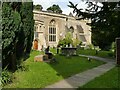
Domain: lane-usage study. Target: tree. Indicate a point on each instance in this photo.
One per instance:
(104, 21)
(76, 42)
(17, 32)
(10, 27)
(66, 41)
(27, 26)
(38, 7)
(55, 9)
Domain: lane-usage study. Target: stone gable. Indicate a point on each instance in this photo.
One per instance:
(51, 27)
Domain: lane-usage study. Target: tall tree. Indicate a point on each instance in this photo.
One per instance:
(104, 21)
(10, 27)
(55, 9)
(38, 7)
(27, 27)
(17, 31)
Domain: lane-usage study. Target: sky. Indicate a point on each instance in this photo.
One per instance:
(62, 3)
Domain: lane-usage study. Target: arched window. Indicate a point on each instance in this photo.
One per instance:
(71, 29)
(52, 31)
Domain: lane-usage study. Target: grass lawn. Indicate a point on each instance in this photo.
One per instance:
(41, 74)
(110, 79)
(104, 54)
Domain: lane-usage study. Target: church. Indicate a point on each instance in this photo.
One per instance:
(49, 28)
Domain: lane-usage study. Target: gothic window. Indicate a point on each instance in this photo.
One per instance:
(71, 29)
(82, 37)
(52, 31)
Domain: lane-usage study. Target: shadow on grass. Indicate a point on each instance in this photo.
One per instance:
(41, 74)
(69, 66)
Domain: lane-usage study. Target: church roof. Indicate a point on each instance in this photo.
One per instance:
(53, 14)
(70, 14)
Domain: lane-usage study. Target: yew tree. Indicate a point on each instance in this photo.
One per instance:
(17, 32)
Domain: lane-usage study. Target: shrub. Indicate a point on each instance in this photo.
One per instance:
(22, 67)
(61, 43)
(113, 48)
(76, 42)
(111, 54)
(6, 77)
(66, 41)
(91, 46)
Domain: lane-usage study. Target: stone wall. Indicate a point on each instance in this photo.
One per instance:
(62, 22)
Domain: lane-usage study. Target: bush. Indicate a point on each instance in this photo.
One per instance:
(22, 67)
(62, 43)
(76, 42)
(113, 48)
(6, 77)
(66, 41)
(110, 54)
(91, 46)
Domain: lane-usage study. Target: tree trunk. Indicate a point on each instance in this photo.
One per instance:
(13, 59)
(118, 51)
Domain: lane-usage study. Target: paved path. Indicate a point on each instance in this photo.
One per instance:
(86, 76)
(100, 58)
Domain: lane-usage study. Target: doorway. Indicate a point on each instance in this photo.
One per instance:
(35, 44)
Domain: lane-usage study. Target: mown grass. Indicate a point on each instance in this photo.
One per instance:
(41, 74)
(110, 79)
(104, 54)
(101, 53)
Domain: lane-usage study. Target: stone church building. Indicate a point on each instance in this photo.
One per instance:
(51, 27)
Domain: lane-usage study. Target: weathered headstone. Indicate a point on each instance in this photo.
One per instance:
(38, 58)
(118, 51)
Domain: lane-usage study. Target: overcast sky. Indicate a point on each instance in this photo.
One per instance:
(62, 3)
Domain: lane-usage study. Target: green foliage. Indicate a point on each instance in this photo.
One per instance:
(105, 80)
(27, 26)
(91, 46)
(55, 9)
(113, 49)
(113, 46)
(22, 66)
(104, 22)
(10, 28)
(61, 42)
(17, 31)
(43, 74)
(68, 38)
(6, 77)
(76, 42)
(66, 41)
(7, 26)
(38, 7)
(104, 54)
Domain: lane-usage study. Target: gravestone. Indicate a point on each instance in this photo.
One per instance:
(118, 51)
(38, 58)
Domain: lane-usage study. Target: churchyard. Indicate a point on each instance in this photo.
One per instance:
(41, 74)
(69, 62)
